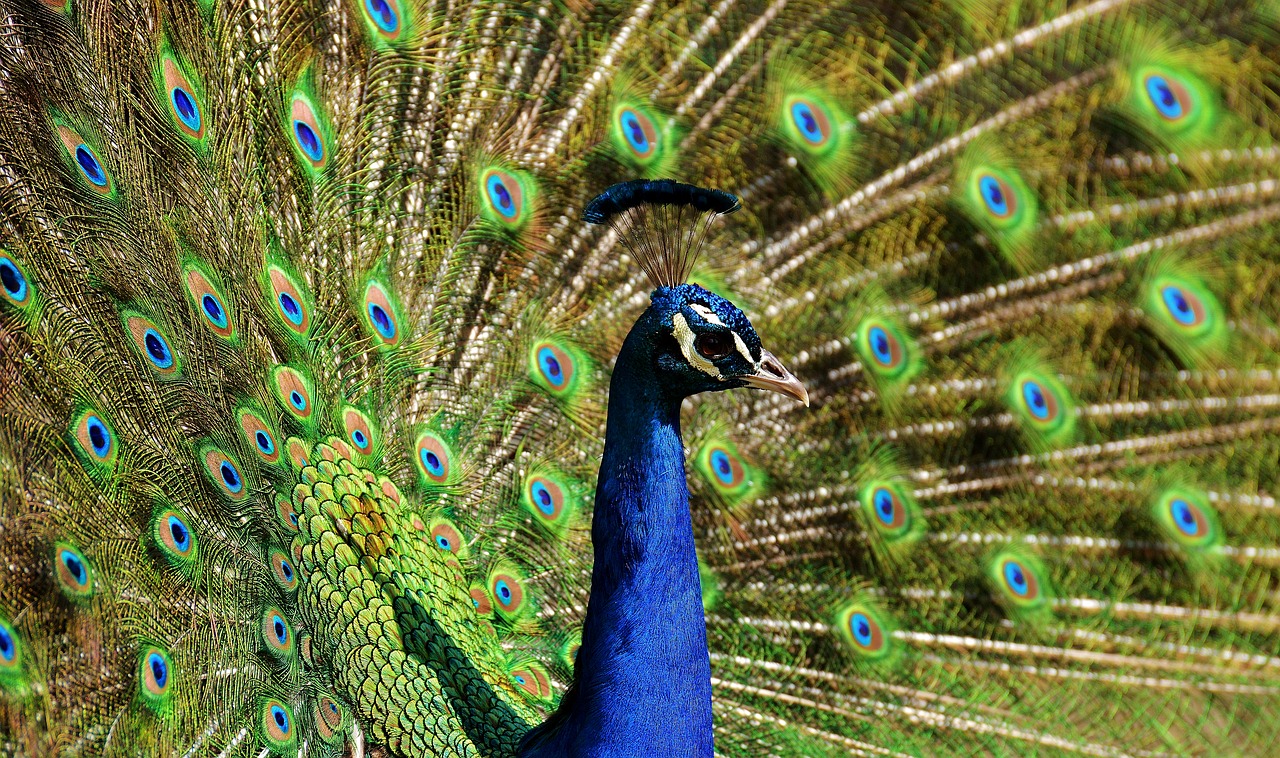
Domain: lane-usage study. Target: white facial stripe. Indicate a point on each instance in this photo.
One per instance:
(742, 349)
(685, 336)
(706, 313)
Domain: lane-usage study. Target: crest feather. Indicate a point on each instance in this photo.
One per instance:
(663, 223)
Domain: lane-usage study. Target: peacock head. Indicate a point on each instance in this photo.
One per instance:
(695, 340)
(704, 343)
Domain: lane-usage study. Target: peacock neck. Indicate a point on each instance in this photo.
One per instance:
(643, 681)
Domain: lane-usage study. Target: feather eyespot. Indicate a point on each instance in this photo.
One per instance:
(1169, 96)
(284, 572)
(290, 304)
(999, 198)
(385, 16)
(810, 121)
(276, 632)
(866, 633)
(434, 459)
(1019, 580)
(293, 390)
(507, 591)
(1183, 306)
(155, 672)
(1187, 518)
(209, 303)
(639, 133)
(481, 601)
(553, 367)
(73, 572)
(299, 453)
(307, 134)
(152, 345)
(866, 630)
(504, 194)
(173, 534)
(328, 718)
(381, 315)
(259, 436)
(888, 507)
(13, 282)
(10, 656)
(1039, 401)
(184, 106)
(885, 348)
(224, 473)
(546, 496)
(533, 680)
(86, 161)
(358, 429)
(726, 467)
(96, 439)
(277, 725)
(287, 515)
(446, 537)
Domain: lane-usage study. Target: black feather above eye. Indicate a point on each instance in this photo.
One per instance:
(713, 345)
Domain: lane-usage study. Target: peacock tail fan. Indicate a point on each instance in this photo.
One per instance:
(305, 350)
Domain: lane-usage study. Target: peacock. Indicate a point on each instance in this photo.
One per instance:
(361, 370)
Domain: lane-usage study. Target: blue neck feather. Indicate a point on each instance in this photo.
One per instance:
(643, 681)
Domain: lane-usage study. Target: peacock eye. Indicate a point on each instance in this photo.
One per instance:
(713, 345)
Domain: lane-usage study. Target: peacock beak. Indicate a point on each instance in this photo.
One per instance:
(773, 376)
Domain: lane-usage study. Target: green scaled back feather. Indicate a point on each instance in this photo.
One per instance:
(299, 323)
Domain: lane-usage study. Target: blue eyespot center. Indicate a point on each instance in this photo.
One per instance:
(542, 499)
(1183, 518)
(722, 467)
(443, 542)
(883, 501)
(99, 437)
(8, 649)
(1017, 580)
(1034, 396)
(286, 570)
(281, 718)
(75, 566)
(297, 400)
(383, 15)
(264, 442)
(504, 591)
(1179, 307)
(501, 197)
(12, 280)
(290, 308)
(213, 309)
(281, 632)
(1163, 97)
(230, 476)
(881, 347)
(181, 535)
(185, 106)
(381, 321)
(90, 166)
(308, 141)
(634, 132)
(860, 625)
(361, 441)
(157, 349)
(805, 120)
(993, 195)
(159, 671)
